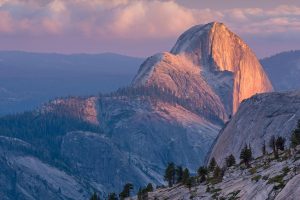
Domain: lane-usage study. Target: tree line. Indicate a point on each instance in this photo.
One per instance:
(212, 173)
(156, 93)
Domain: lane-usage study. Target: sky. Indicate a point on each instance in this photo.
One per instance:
(142, 27)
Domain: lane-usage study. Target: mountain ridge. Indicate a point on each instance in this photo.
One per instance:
(172, 112)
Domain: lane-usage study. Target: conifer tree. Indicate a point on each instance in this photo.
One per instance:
(212, 164)
(246, 155)
(170, 174)
(295, 138)
(185, 176)
(202, 173)
(149, 187)
(280, 141)
(218, 174)
(126, 191)
(272, 144)
(95, 196)
(179, 174)
(263, 149)
(230, 160)
(112, 196)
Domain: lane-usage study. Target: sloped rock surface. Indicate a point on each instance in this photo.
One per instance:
(257, 120)
(213, 55)
(25, 177)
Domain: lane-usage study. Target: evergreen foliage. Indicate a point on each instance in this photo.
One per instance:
(143, 192)
(43, 130)
(230, 160)
(112, 196)
(212, 164)
(246, 155)
(126, 191)
(170, 173)
(95, 196)
(295, 138)
(263, 149)
(156, 93)
(202, 173)
(217, 174)
(280, 141)
(185, 176)
(179, 174)
(272, 144)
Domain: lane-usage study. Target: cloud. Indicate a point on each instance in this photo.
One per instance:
(136, 19)
(5, 22)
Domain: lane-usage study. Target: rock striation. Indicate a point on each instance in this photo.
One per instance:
(172, 112)
(208, 59)
(257, 120)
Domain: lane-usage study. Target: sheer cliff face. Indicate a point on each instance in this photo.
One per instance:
(221, 65)
(257, 120)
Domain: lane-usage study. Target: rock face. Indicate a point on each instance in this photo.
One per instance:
(209, 58)
(257, 120)
(24, 176)
(291, 190)
(266, 179)
(83, 108)
(172, 112)
(283, 70)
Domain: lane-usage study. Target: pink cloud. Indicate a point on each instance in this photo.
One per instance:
(137, 19)
(51, 26)
(103, 21)
(6, 24)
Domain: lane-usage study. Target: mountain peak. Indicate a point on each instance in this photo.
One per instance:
(210, 55)
(193, 38)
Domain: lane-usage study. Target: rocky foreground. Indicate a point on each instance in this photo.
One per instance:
(267, 178)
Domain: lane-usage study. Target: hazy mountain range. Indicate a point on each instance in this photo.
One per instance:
(283, 70)
(29, 79)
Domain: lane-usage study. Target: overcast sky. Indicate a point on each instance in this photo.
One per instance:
(140, 27)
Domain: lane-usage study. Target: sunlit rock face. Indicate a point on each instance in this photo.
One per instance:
(211, 61)
(83, 108)
(257, 120)
(131, 135)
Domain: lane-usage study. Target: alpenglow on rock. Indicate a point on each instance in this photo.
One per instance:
(257, 120)
(172, 112)
(210, 64)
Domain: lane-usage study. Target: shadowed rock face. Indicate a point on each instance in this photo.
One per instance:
(257, 120)
(211, 54)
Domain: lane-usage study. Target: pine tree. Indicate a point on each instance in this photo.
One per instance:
(189, 182)
(246, 155)
(179, 174)
(143, 192)
(126, 191)
(170, 174)
(95, 196)
(272, 144)
(218, 174)
(280, 141)
(140, 194)
(112, 196)
(202, 173)
(185, 176)
(295, 138)
(149, 187)
(230, 160)
(263, 149)
(212, 164)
